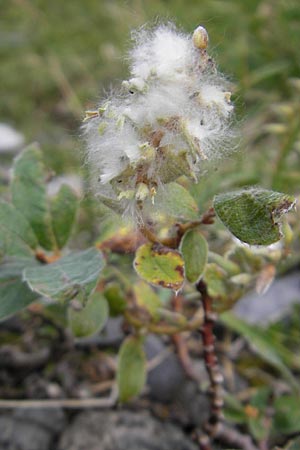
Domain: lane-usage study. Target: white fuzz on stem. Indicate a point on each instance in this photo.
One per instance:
(173, 113)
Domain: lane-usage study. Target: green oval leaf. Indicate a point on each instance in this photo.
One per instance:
(74, 274)
(147, 298)
(15, 295)
(29, 194)
(252, 214)
(63, 211)
(176, 201)
(215, 278)
(16, 235)
(160, 265)
(221, 287)
(194, 250)
(131, 372)
(14, 292)
(91, 318)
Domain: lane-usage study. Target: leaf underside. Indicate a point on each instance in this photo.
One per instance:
(74, 274)
(252, 215)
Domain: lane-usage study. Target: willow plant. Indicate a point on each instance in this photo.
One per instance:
(147, 146)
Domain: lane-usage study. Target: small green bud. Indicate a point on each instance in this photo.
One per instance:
(200, 38)
(142, 192)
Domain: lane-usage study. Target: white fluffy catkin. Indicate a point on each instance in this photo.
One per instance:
(172, 114)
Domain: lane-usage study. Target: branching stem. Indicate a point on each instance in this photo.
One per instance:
(162, 328)
(181, 228)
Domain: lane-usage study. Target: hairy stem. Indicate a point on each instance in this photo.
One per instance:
(215, 377)
(214, 428)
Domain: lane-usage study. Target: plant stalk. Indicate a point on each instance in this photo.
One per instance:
(212, 425)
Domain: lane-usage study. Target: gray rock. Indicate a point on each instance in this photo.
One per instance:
(29, 437)
(122, 430)
(51, 419)
(6, 431)
(274, 304)
(113, 334)
(166, 378)
(191, 407)
(27, 429)
(10, 140)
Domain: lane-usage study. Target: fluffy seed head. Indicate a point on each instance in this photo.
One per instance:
(173, 113)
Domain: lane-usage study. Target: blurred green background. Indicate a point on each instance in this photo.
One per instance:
(58, 59)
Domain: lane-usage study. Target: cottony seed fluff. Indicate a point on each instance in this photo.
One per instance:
(173, 113)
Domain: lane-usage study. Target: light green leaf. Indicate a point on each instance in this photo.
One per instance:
(176, 201)
(63, 210)
(194, 250)
(29, 194)
(229, 266)
(174, 166)
(74, 274)
(131, 372)
(16, 235)
(215, 278)
(261, 343)
(220, 287)
(111, 222)
(14, 293)
(159, 265)
(252, 214)
(113, 205)
(91, 318)
(147, 298)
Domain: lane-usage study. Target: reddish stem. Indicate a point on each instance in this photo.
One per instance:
(213, 370)
(181, 344)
